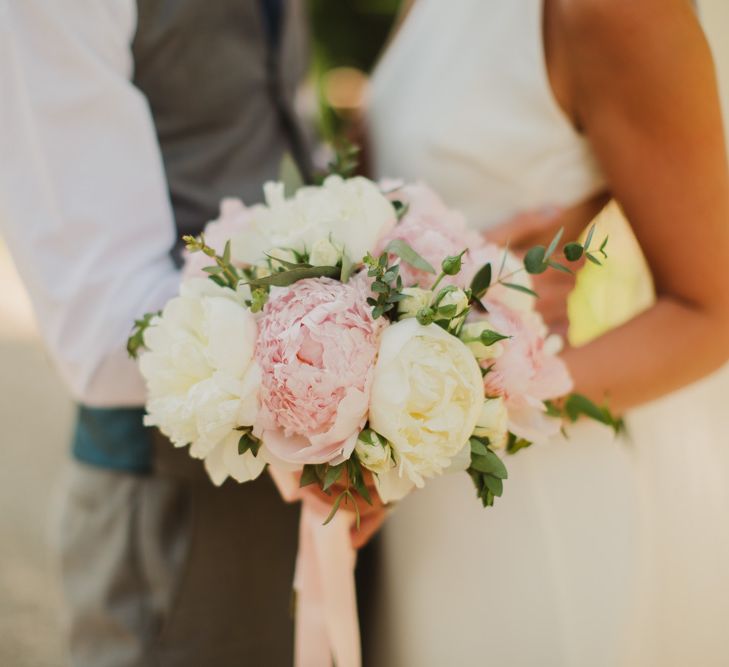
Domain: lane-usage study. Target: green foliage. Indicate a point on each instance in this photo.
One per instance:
(487, 471)
(135, 342)
(481, 281)
(326, 476)
(577, 405)
(387, 286)
(346, 159)
(290, 276)
(248, 441)
(401, 249)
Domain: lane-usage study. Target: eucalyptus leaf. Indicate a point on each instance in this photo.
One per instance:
(482, 280)
(520, 288)
(553, 245)
(289, 277)
(402, 250)
(534, 260)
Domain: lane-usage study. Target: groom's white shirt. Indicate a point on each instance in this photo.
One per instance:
(84, 206)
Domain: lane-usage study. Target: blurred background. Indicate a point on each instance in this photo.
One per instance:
(36, 413)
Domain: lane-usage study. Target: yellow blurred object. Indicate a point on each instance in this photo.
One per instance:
(609, 295)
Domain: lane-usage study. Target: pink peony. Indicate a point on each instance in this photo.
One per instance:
(433, 230)
(527, 373)
(316, 348)
(233, 219)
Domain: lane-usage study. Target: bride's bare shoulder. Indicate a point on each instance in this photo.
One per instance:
(614, 25)
(610, 47)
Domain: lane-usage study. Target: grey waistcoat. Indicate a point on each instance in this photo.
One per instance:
(221, 98)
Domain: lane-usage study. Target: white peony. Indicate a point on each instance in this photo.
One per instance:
(350, 213)
(324, 253)
(493, 422)
(201, 378)
(427, 394)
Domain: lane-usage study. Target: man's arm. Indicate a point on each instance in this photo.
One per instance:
(84, 206)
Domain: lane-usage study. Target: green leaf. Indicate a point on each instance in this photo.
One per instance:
(560, 267)
(577, 406)
(213, 270)
(603, 245)
(520, 288)
(478, 447)
(335, 506)
(573, 252)
(402, 250)
(494, 485)
(481, 281)
(515, 444)
(534, 260)
(593, 259)
(308, 476)
(590, 234)
(553, 245)
(289, 175)
(226, 253)
(332, 476)
(289, 277)
(489, 463)
(347, 267)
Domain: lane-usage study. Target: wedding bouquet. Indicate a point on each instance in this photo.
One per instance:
(352, 327)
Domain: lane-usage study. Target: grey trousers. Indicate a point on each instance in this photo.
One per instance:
(168, 570)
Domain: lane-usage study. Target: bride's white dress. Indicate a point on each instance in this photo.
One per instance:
(574, 567)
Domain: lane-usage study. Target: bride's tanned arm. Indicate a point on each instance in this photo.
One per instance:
(640, 81)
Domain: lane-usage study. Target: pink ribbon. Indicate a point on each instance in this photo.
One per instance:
(327, 627)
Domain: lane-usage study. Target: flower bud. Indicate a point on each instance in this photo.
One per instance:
(374, 452)
(452, 265)
(471, 335)
(459, 299)
(416, 300)
(324, 253)
(493, 423)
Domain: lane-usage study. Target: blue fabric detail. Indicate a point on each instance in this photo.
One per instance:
(113, 438)
(273, 14)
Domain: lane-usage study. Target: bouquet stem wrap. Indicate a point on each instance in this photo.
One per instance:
(327, 627)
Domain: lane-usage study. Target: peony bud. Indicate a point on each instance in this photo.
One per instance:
(374, 452)
(493, 423)
(416, 300)
(324, 253)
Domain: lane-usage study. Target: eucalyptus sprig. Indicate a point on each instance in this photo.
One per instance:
(536, 261)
